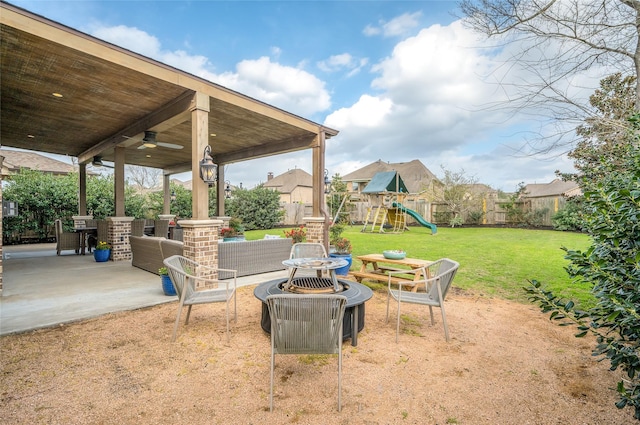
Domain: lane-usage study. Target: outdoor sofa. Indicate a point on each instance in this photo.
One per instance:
(247, 257)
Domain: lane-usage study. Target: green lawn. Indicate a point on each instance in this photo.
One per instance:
(493, 262)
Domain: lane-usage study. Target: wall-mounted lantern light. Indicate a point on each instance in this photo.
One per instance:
(173, 195)
(327, 182)
(227, 189)
(208, 170)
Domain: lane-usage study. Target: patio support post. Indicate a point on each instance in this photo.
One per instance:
(82, 184)
(220, 195)
(199, 140)
(318, 224)
(166, 186)
(118, 181)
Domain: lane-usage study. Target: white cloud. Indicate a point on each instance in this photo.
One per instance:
(398, 26)
(289, 88)
(292, 89)
(427, 103)
(343, 61)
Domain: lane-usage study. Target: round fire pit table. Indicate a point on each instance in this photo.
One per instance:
(356, 294)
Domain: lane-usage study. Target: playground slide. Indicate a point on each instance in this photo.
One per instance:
(417, 217)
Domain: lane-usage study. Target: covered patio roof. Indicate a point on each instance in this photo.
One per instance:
(68, 93)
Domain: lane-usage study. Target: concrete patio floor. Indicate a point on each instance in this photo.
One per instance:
(41, 289)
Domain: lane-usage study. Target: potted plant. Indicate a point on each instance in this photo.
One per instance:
(236, 224)
(340, 247)
(102, 252)
(234, 232)
(167, 284)
(228, 233)
(298, 234)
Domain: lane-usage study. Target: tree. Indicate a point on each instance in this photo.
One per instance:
(559, 42)
(257, 208)
(456, 194)
(611, 265)
(41, 199)
(604, 132)
(338, 199)
(144, 177)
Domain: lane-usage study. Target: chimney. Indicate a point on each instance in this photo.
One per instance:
(269, 175)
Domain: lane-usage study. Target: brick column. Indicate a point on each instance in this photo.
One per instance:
(118, 237)
(200, 239)
(225, 221)
(315, 229)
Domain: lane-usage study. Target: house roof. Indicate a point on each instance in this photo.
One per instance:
(415, 175)
(287, 182)
(386, 181)
(15, 160)
(555, 188)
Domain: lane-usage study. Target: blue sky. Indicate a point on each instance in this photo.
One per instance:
(400, 80)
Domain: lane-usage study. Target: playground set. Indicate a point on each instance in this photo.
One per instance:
(386, 192)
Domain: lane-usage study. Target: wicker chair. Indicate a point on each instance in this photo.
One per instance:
(66, 240)
(137, 227)
(198, 284)
(437, 281)
(306, 324)
(161, 228)
(102, 231)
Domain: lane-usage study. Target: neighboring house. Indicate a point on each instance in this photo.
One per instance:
(295, 186)
(13, 161)
(415, 175)
(557, 188)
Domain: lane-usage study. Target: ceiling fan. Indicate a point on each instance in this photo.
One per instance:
(150, 141)
(97, 162)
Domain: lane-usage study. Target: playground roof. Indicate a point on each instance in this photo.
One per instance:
(386, 181)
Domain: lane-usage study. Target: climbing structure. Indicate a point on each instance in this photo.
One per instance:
(384, 190)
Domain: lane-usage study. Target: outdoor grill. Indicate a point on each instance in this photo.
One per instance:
(312, 285)
(355, 293)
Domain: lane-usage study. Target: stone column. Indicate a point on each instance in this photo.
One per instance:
(119, 232)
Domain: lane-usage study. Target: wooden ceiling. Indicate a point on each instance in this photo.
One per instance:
(110, 96)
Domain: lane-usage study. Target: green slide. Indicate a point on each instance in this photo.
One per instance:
(417, 217)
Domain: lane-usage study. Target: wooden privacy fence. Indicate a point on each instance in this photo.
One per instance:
(483, 211)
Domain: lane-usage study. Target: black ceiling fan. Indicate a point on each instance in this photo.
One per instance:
(150, 141)
(97, 162)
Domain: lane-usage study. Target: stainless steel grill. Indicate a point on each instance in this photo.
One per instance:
(312, 285)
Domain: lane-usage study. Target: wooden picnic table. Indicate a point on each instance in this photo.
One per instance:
(376, 266)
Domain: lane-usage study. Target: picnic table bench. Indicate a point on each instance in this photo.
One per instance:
(375, 267)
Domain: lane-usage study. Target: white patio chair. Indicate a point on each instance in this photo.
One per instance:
(198, 284)
(306, 324)
(436, 281)
(308, 250)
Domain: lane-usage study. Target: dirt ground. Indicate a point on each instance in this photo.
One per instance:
(505, 364)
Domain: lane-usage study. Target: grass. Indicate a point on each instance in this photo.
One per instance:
(494, 262)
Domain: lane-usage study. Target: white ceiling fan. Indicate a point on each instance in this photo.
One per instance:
(150, 141)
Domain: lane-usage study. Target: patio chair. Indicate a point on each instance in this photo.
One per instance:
(306, 324)
(66, 240)
(198, 284)
(307, 250)
(161, 228)
(137, 227)
(437, 278)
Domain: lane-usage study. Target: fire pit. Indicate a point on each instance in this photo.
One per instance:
(355, 293)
